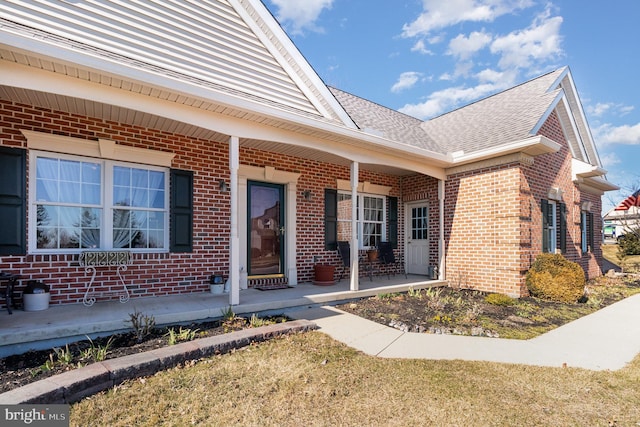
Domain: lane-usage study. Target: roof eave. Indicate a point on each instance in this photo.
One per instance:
(534, 146)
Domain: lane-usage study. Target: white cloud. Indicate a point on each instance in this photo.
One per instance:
(464, 47)
(439, 14)
(599, 109)
(406, 81)
(625, 134)
(300, 15)
(443, 100)
(420, 47)
(540, 42)
(610, 159)
(602, 108)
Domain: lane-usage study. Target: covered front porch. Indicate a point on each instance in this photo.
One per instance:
(23, 331)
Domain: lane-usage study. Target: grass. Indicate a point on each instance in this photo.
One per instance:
(309, 379)
(631, 263)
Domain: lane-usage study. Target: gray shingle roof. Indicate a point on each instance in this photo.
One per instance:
(497, 120)
(385, 122)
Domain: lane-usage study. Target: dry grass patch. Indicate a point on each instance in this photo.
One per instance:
(631, 263)
(311, 380)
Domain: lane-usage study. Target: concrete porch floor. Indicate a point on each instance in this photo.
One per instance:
(58, 325)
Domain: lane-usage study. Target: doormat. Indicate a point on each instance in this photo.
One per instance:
(272, 287)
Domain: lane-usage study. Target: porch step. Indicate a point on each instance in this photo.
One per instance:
(266, 284)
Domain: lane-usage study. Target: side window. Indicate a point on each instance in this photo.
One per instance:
(549, 229)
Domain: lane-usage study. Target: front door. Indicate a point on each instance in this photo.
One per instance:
(417, 233)
(266, 229)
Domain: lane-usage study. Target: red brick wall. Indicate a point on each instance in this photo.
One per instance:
(493, 219)
(168, 273)
(554, 170)
(482, 229)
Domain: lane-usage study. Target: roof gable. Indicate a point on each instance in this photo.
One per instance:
(232, 46)
(501, 119)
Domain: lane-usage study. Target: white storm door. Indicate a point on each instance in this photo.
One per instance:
(417, 259)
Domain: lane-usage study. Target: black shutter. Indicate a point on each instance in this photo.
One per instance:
(590, 232)
(330, 219)
(563, 227)
(181, 211)
(544, 207)
(393, 222)
(13, 206)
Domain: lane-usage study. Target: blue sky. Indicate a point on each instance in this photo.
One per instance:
(427, 57)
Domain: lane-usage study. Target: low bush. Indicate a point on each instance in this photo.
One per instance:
(500, 299)
(555, 278)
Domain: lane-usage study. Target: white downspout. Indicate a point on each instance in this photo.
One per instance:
(354, 285)
(441, 267)
(234, 244)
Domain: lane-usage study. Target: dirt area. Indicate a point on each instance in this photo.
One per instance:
(470, 312)
(19, 370)
(436, 310)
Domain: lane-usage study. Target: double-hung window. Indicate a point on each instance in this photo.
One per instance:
(586, 231)
(554, 226)
(86, 203)
(370, 219)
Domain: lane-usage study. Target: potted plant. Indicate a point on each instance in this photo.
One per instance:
(323, 274)
(36, 296)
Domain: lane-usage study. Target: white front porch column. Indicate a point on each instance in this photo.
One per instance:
(234, 244)
(441, 257)
(354, 285)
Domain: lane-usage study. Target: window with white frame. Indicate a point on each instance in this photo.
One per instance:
(86, 203)
(549, 230)
(371, 219)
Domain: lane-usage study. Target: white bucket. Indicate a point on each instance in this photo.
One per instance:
(217, 289)
(36, 302)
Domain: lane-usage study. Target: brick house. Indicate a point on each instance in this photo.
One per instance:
(198, 139)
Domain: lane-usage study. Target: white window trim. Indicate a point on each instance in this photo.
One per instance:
(360, 220)
(106, 198)
(584, 230)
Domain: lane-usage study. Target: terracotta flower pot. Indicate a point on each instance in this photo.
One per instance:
(323, 274)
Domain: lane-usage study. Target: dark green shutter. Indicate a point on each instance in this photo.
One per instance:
(393, 222)
(13, 206)
(181, 211)
(590, 230)
(330, 219)
(544, 207)
(563, 227)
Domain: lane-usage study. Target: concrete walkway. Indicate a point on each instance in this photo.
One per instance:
(605, 340)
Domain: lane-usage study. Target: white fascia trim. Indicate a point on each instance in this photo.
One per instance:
(291, 49)
(359, 147)
(574, 129)
(533, 146)
(547, 113)
(582, 117)
(580, 169)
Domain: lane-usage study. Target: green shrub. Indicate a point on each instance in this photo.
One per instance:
(629, 244)
(553, 277)
(499, 299)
